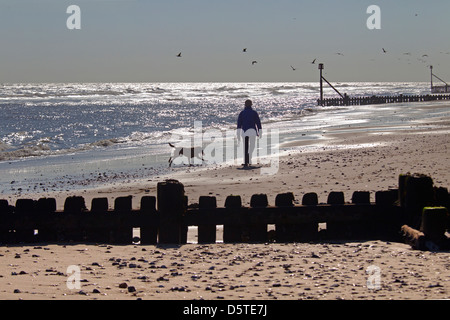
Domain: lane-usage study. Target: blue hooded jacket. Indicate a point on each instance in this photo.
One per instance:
(249, 119)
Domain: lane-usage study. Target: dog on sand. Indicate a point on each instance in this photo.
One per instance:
(190, 153)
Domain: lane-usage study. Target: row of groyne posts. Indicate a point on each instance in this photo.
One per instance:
(439, 93)
(416, 212)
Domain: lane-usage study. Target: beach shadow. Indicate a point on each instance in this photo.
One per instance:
(249, 168)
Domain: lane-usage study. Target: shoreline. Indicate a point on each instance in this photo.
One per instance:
(335, 162)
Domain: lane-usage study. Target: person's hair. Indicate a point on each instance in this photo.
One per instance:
(248, 103)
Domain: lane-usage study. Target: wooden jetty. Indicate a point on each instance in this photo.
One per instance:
(438, 93)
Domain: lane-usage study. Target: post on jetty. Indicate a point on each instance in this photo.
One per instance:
(321, 81)
(438, 89)
(344, 98)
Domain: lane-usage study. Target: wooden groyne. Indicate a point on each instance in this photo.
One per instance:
(351, 101)
(346, 100)
(165, 218)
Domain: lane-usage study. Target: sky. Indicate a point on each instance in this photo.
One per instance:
(139, 40)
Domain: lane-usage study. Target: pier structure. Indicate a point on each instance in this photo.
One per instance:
(437, 93)
(438, 89)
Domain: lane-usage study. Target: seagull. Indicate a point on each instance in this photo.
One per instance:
(179, 55)
(254, 62)
(314, 61)
(293, 68)
(424, 56)
(244, 50)
(384, 51)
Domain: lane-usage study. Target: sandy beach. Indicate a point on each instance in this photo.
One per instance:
(344, 159)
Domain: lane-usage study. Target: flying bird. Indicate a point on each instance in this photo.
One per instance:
(314, 61)
(384, 51)
(339, 53)
(244, 50)
(293, 68)
(254, 62)
(179, 55)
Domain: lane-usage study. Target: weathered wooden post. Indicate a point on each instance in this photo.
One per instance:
(171, 208)
(5, 220)
(257, 231)
(361, 197)
(122, 231)
(365, 228)
(417, 192)
(321, 84)
(98, 229)
(232, 232)
(25, 209)
(45, 213)
(149, 227)
(285, 230)
(310, 199)
(288, 231)
(336, 229)
(71, 228)
(434, 223)
(207, 231)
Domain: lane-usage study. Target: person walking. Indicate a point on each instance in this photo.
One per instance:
(248, 127)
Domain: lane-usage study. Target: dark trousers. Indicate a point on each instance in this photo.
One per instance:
(246, 153)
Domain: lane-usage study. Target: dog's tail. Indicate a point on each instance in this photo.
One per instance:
(171, 145)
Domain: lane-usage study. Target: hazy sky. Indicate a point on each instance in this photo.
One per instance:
(138, 40)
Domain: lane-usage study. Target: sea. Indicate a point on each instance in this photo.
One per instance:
(65, 136)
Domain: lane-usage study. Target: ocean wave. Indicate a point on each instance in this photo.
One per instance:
(42, 148)
(27, 151)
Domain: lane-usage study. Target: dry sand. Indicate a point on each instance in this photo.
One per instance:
(344, 160)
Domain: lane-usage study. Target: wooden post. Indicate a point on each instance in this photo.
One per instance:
(431, 70)
(419, 193)
(122, 232)
(321, 83)
(5, 216)
(97, 230)
(25, 209)
(172, 208)
(336, 230)
(232, 232)
(207, 233)
(434, 223)
(285, 231)
(71, 229)
(361, 197)
(257, 231)
(310, 199)
(45, 212)
(149, 228)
